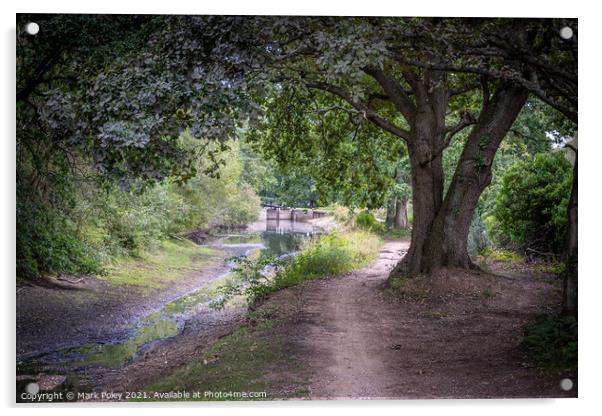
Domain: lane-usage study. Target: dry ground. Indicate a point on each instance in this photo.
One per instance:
(455, 335)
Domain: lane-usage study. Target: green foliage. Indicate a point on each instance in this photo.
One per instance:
(502, 255)
(488, 293)
(329, 255)
(222, 198)
(531, 205)
(551, 342)
(128, 223)
(47, 242)
(367, 221)
(99, 221)
(396, 233)
(342, 162)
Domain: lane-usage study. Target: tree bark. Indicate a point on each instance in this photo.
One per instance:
(440, 228)
(427, 191)
(447, 245)
(569, 292)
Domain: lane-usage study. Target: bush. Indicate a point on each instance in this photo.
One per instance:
(502, 255)
(342, 214)
(551, 342)
(531, 206)
(48, 242)
(478, 239)
(367, 221)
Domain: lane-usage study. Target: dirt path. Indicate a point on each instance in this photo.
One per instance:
(359, 341)
(347, 321)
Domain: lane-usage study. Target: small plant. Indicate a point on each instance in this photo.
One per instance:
(397, 233)
(556, 268)
(367, 221)
(252, 280)
(437, 314)
(502, 255)
(488, 293)
(551, 342)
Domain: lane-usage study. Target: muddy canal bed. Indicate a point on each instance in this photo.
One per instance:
(91, 330)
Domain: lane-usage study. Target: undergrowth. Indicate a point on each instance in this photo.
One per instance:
(550, 342)
(329, 255)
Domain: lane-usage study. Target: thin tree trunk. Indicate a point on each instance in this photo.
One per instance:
(390, 219)
(569, 295)
(401, 213)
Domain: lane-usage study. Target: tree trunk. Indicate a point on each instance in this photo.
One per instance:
(447, 245)
(427, 195)
(569, 293)
(391, 207)
(401, 214)
(440, 229)
(428, 133)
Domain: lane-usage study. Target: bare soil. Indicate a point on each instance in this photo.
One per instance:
(55, 314)
(453, 335)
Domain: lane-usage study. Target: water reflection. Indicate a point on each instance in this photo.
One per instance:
(283, 227)
(287, 226)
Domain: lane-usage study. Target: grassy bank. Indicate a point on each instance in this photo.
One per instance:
(254, 358)
(328, 255)
(155, 269)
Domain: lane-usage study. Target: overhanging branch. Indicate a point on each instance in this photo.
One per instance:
(361, 107)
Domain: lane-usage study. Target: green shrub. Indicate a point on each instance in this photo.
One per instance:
(502, 255)
(48, 242)
(551, 342)
(531, 205)
(367, 221)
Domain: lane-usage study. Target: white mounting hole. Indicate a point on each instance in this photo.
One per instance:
(566, 384)
(32, 28)
(566, 33)
(32, 388)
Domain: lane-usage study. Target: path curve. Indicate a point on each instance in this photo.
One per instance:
(358, 341)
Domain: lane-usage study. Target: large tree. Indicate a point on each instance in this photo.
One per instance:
(415, 79)
(418, 81)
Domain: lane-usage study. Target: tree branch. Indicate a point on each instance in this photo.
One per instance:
(361, 107)
(468, 119)
(394, 90)
(531, 86)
